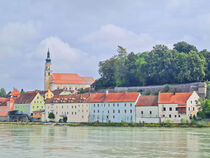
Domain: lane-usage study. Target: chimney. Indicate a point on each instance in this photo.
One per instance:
(107, 92)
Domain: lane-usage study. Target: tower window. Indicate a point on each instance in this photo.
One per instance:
(48, 73)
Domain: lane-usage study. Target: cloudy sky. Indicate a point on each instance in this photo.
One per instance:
(80, 33)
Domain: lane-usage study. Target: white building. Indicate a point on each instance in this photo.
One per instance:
(113, 107)
(74, 107)
(147, 109)
(178, 106)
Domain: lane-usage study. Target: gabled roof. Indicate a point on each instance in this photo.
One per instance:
(147, 100)
(170, 98)
(26, 98)
(71, 78)
(115, 97)
(2, 99)
(15, 92)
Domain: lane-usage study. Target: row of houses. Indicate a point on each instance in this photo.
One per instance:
(104, 107)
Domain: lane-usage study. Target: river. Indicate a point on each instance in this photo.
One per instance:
(99, 142)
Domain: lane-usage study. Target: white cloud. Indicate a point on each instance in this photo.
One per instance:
(65, 58)
(110, 36)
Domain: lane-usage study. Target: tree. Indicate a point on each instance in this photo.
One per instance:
(3, 92)
(184, 47)
(22, 91)
(65, 119)
(206, 55)
(205, 108)
(51, 116)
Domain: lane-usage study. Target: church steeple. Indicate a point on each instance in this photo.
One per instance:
(48, 60)
(48, 72)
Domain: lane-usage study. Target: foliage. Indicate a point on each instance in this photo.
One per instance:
(82, 91)
(22, 91)
(148, 92)
(166, 88)
(3, 92)
(205, 108)
(182, 64)
(51, 115)
(65, 119)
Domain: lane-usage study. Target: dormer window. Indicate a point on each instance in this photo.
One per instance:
(70, 100)
(81, 100)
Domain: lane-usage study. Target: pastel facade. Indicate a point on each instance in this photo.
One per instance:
(178, 106)
(113, 107)
(74, 107)
(29, 102)
(7, 104)
(67, 81)
(147, 109)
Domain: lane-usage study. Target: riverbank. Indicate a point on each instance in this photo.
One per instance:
(96, 124)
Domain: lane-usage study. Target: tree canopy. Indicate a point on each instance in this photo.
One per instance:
(3, 92)
(182, 64)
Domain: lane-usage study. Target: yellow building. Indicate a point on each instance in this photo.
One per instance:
(66, 81)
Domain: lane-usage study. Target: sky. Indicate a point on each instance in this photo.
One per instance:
(81, 33)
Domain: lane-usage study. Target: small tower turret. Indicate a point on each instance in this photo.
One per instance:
(48, 73)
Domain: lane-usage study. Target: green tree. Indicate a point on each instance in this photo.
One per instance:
(205, 108)
(184, 47)
(3, 92)
(51, 116)
(206, 55)
(22, 91)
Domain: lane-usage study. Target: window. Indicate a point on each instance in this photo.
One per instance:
(125, 111)
(130, 111)
(170, 109)
(142, 112)
(150, 112)
(72, 107)
(113, 117)
(94, 111)
(113, 105)
(107, 117)
(98, 111)
(175, 116)
(67, 113)
(193, 108)
(189, 108)
(109, 105)
(98, 105)
(130, 105)
(75, 113)
(179, 116)
(125, 105)
(169, 115)
(113, 111)
(163, 115)
(176, 108)
(72, 113)
(94, 105)
(118, 111)
(117, 105)
(37, 97)
(164, 109)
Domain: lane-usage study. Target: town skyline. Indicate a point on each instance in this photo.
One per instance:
(77, 31)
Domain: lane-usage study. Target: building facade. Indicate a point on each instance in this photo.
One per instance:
(29, 102)
(178, 106)
(74, 107)
(113, 107)
(147, 109)
(67, 81)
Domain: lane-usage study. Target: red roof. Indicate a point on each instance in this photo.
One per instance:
(182, 106)
(2, 99)
(115, 97)
(147, 100)
(26, 98)
(71, 78)
(170, 98)
(15, 92)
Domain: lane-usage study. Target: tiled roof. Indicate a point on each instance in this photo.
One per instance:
(70, 78)
(88, 80)
(2, 99)
(147, 100)
(115, 97)
(26, 98)
(15, 92)
(71, 98)
(170, 98)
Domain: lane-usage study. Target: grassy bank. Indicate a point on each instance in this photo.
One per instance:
(180, 125)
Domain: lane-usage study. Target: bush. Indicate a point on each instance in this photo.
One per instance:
(166, 88)
(148, 92)
(51, 115)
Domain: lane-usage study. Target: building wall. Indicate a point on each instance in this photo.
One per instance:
(37, 103)
(112, 112)
(49, 94)
(75, 112)
(25, 108)
(5, 109)
(69, 86)
(147, 114)
(193, 105)
(48, 76)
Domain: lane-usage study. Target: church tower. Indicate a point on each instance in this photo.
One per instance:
(48, 73)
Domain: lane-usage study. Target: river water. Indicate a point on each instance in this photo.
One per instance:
(95, 142)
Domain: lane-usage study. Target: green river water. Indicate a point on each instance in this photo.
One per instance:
(99, 142)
